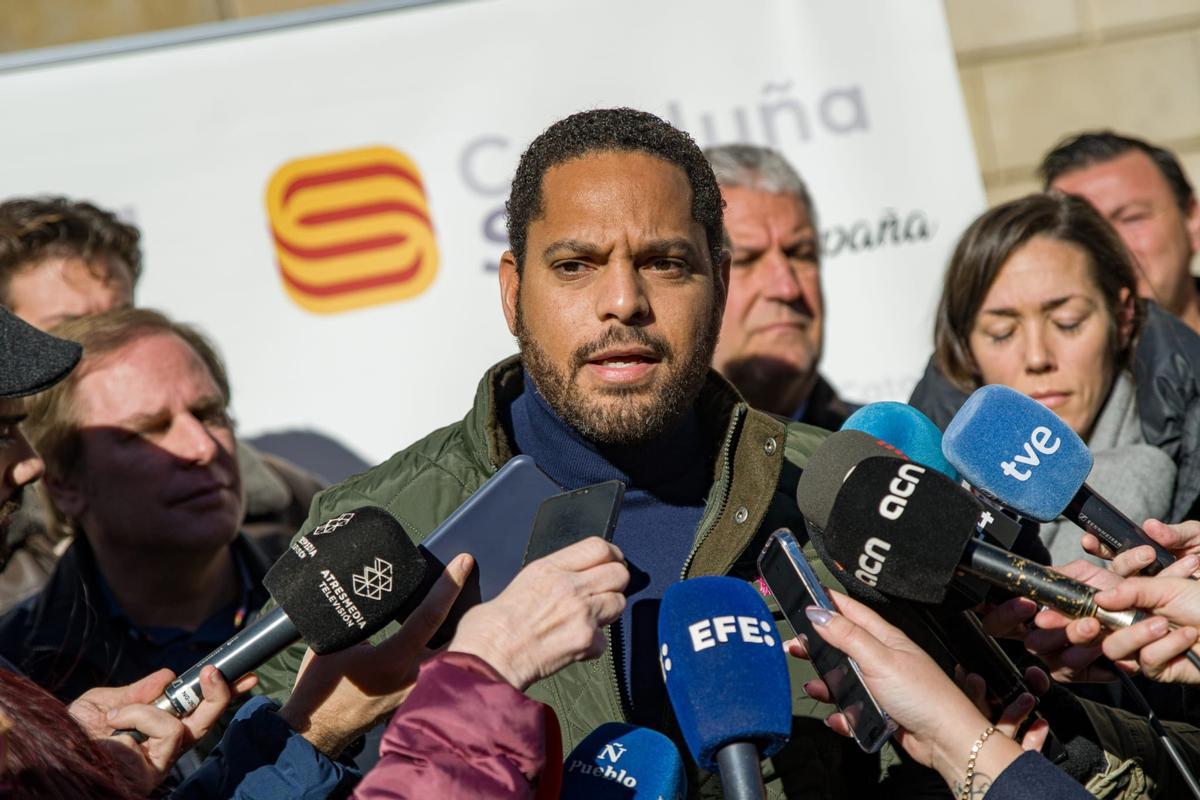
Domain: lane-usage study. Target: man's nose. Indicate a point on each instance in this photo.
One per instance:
(620, 293)
(780, 281)
(192, 441)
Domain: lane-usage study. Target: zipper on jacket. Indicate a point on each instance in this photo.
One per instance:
(727, 486)
(624, 704)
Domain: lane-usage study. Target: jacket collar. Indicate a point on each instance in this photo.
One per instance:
(747, 467)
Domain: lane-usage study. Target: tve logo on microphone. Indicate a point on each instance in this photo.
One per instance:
(1039, 442)
(351, 229)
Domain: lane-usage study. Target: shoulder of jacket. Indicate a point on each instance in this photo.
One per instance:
(444, 457)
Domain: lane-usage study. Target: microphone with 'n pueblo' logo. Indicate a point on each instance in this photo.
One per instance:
(336, 586)
(727, 678)
(618, 761)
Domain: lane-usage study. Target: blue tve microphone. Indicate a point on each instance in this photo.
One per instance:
(915, 435)
(1015, 449)
(906, 429)
(727, 678)
(624, 762)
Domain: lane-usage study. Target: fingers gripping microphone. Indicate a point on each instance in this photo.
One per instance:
(336, 586)
(727, 678)
(907, 530)
(624, 762)
(1015, 449)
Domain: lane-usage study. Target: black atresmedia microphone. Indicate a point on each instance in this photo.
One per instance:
(335, 587)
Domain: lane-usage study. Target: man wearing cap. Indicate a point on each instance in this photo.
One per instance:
(33, 361)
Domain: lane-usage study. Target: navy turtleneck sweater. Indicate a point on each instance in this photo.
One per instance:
(666, 484)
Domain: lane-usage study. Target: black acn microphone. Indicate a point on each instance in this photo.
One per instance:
(335, 586)
(908, 530)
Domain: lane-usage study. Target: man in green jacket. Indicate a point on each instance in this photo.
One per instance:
(614, 287)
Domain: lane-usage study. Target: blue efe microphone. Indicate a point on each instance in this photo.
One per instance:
(727, 678)
(1015, 449)
(618, 761)
(906, 429)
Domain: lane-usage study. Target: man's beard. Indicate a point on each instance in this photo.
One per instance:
(627, 421)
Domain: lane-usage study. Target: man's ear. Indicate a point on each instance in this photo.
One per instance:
(510, 288)
(66, 495)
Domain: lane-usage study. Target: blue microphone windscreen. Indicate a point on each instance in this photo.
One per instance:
(725, 668)
(625, 762)
(906, 429)
(1017, 450)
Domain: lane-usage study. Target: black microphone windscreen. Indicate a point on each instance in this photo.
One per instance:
(826, 469)
(901, 528)
(347, 578)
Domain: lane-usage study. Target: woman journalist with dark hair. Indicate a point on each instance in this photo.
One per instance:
(1040, 295)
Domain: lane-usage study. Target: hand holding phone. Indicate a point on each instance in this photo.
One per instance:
(795, 586)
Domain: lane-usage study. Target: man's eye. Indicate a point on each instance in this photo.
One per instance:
(570, 267)
(668, 265)
(218, 418)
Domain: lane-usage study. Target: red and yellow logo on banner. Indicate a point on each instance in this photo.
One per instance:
(352, 229)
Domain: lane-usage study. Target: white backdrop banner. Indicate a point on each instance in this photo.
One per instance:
(326, 201)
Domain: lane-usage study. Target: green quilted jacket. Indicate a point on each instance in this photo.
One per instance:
(752, 494)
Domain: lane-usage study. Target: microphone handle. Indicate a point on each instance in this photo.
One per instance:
(1097, 516)
(245, 650)
(741, 771)
(1041, 584)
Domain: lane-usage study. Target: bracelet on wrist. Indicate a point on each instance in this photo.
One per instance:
(975, 748)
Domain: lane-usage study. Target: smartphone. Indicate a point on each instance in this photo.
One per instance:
(570, 517)
(493, 525)
(795, 586)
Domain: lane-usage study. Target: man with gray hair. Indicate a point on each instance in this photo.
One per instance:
(771, 336)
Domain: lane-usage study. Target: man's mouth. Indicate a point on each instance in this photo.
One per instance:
(622, 365)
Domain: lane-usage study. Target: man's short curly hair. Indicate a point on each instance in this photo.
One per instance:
(606, 130)
(35, 228)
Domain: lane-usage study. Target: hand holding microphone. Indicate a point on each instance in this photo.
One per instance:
(1181, 540)
(1164, 653)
